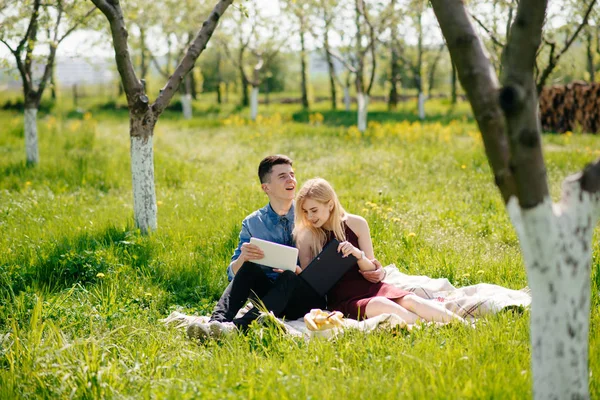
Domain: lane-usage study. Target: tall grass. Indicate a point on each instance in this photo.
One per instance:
(82, 291)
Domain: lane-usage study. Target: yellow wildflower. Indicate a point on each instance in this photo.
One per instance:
(100, 275)
(412, 234)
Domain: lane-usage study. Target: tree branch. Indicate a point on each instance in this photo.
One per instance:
(31, 26)
(490, 33)
(553, 61)
(519, 100)
(338, 57)
(191, 56)
(153, 59)
(480, 84)
(76, 24)
(134, 89)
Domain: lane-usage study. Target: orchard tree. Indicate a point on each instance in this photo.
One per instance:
(144, 115)
(573, 15)
(364, 44)
(300, 12)
(259, 43)
(24, 29)
(556, 239)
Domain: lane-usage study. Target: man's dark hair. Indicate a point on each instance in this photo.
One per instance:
(266, 165)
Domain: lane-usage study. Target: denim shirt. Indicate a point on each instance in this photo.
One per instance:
(265, 224)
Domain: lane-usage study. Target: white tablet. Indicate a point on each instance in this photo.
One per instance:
(276, 255)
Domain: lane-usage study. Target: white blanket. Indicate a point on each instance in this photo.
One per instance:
(470, 302)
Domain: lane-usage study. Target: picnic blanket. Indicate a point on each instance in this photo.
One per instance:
(470, 302)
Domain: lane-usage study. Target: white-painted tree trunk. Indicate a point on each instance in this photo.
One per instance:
(347, 98)
(254, 103)
(144, 194)
(31, 136)
(556, 241)
(422, 99)
(186, 105)
(363, 105)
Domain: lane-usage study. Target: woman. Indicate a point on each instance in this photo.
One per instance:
(320, 218)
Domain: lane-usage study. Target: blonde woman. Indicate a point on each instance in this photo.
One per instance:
(319, 218)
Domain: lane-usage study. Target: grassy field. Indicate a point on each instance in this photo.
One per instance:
(82, 292)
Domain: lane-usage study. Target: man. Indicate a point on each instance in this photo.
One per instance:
(283, 293)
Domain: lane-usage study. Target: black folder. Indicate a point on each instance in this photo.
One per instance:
(327, 268)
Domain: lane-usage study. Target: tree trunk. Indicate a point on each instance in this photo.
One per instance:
(363, 106)
(555, 239)
(304, 79)
(590, 58)
(53, 87)
(186, 106)
(192, 90)
(186, 97)
(331, 70)
(142, 172)
(245, 83)
(347, 98)
(31, 135)
(557, 247)
(453, 79)
(254, 103)
(421, 101)
(394, 67)
(219, 79)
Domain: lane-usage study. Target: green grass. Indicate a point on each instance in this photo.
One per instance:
(82, 292)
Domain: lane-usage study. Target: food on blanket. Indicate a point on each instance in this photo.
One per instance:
(319, 320)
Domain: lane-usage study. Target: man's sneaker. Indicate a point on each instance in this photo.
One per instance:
(199, 331)
(220, 330)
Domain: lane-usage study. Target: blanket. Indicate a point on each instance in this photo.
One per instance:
(470, 302)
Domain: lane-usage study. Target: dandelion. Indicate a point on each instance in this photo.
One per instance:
(480, 272)
(364, 210)
(159, 203)
(99, 275)
(466, 275)
(569, 133)
(463, 166)
(396, 219)
(28, 183)
(148, 294)
(87, 116)
(412, 234)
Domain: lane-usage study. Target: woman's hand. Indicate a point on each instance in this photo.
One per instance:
(346, 248)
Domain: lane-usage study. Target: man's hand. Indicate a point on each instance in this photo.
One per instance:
(297, 271)
(375, 276)
(251, 252)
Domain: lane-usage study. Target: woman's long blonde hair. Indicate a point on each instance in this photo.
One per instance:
(320, 190)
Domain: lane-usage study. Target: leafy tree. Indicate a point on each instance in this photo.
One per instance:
(556, 239)
(26, 27)
(144, 115)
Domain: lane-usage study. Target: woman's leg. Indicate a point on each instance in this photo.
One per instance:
(382, 305)
(427, 309)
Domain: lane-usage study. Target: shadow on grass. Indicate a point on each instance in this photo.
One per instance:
(81, 259)
(348, 118)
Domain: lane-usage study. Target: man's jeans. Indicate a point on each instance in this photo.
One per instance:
(288, 296)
